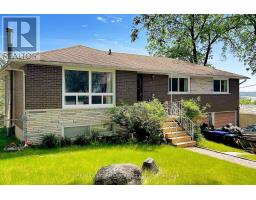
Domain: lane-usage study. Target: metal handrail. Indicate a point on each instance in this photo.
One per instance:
(176, 109)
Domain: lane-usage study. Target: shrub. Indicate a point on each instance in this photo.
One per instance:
(116, 139)
(198, 134)
(143, 119)
(82, 140)
(50, 141)
(247, 101)
(194, 111)
(64, 141)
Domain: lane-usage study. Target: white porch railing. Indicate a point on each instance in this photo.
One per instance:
(175, 109)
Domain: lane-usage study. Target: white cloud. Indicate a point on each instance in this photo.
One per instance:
(110, 18)
(84, 25)
(101, 19)
(100, 39)
(116, 19)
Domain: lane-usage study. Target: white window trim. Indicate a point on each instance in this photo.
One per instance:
(174, 92)
(90, 70)
(220, 79)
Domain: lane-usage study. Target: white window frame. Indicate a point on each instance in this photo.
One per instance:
(220, 79)
(90, 93)
(178, 92)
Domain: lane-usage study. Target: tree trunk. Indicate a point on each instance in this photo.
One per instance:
(207, 54)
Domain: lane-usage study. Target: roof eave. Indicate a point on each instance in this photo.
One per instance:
(163, 72)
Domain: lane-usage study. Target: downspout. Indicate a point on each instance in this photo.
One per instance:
(238, 109)
(9, 53)
(24, 98)
(171, 90)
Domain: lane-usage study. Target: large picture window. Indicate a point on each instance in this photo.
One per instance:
(220, 86)
(88, 88)
(179, 85)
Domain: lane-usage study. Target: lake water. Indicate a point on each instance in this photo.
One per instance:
(251, 95)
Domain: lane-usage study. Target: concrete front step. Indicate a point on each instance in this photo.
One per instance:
(185, 144)
(175, 140)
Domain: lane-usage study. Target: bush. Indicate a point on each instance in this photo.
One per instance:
(194, 111)
(247, 101)
(198, 134)
(50, 141)
(82, 140)
(143, 119)
(64, 141)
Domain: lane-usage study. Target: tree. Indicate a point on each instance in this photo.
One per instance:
(187, 37)
(242, 41)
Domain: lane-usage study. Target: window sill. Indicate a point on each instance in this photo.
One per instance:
(88, 106)
(169, 93)
(221, 93)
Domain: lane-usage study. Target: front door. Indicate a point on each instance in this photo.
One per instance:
(139, 87)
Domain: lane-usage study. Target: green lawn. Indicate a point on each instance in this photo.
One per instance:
(78, 165)
(225, 148)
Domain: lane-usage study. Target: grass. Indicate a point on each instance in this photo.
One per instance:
(225, 148)
(78, 165)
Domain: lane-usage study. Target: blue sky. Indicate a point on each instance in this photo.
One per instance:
(113, 32)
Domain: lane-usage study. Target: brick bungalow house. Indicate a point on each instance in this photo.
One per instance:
(67, 91)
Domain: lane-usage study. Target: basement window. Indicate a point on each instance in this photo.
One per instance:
(178, 84)
(73, 132)
(87, 88)
(220, 86)
(107, 129)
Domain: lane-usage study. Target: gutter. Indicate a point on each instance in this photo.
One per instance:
(243, 81)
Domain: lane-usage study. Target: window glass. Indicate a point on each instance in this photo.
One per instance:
(83, 100)
(224, 85)
(72, 132)
(107, 99)
(183, 84)
(216, 85)
(174, 84)
(101, 82)
(76, 81)
(78, 91)
(96, 100)
(70, 100)
(103, 129)
(178, 84)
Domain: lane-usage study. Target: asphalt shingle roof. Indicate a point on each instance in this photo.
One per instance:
(122, 61)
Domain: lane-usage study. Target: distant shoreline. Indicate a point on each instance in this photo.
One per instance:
(248, 95)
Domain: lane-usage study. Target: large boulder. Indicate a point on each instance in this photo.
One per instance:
(150, 165)
(119, 174)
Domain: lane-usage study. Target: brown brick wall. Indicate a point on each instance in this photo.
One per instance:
(157, 85)
(126, 87)
(43, 87)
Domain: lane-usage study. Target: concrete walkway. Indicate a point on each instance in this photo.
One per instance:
(223, 156)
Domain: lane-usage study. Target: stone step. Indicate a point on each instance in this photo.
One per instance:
(185, 144)
(175, 140)
(171, 129)
(175, 134)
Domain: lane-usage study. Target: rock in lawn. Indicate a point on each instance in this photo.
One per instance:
(150, 165)
(119, 174)
(11, 147)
